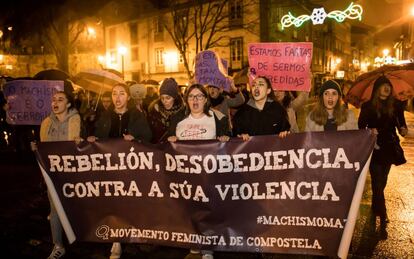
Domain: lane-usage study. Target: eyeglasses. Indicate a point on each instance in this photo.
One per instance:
(197, 97)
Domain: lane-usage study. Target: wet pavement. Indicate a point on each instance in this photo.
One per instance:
(25, 231)
(368, 241)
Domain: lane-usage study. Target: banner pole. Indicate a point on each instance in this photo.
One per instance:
(353, 212)
(58, 205)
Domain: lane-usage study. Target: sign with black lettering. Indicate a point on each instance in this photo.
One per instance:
(285, 64)
(30, 100)
(210, 69)
(296, 195)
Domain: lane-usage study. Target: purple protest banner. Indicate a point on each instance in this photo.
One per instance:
(296, 195)
(208, 71)
(30, 100)
(286, 65)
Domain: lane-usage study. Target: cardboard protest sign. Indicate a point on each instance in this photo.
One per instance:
(286, 65)
(30, 100)
(297, 195)
(210, 70)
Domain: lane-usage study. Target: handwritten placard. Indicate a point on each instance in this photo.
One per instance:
(30, 100)
(209, 71)
(286, 65)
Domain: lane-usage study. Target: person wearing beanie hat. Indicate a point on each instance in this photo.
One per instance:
(330, 84)
(382, 115)
(169, 87)
(329, 113)
(163, 108)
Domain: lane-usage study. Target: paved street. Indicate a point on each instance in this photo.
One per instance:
(399, 194)
(25, 229)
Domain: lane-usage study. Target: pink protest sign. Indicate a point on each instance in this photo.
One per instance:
(209, 71)
(285, 64)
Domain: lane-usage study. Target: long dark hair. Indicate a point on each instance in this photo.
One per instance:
(271, 95)
(206, 107)
(69, 97)
(382, 107)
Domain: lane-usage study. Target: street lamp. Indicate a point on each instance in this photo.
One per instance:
(385, 52)
(122, 50)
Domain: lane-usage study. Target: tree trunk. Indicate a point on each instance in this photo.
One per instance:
(62, 54)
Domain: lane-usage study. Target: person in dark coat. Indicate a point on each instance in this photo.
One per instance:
(162, 109)
(382, 116)
(120, 122)
(261, 115)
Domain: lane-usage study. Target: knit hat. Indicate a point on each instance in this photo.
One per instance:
(138, 91)
(330, 84)
(169, 87)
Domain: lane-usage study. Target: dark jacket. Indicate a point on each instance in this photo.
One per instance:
(271, 120)
(137, 125)
(386, 125)
(160, 125)
(222, 123)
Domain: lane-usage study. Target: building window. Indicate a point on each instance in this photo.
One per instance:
(236, 52)
(158, 29)
(158, 26)
(133, 33)
(159, 56)
(236, 12)
(134, 53)
(112, 38)
(113, 56)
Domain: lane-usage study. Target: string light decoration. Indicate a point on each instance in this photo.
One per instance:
(318, 16)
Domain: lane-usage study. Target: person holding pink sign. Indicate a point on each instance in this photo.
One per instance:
(292, 105)
(261, 115)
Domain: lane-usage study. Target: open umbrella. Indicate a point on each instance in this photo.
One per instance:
(149, 82)
(97, 80)
(401, 77)
(51, 74)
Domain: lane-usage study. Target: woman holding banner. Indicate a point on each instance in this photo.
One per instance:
(329, 114)
(163, 108)
(199, 123)
(382, 116)
(261, 115)
(120, 122)
(63, 124)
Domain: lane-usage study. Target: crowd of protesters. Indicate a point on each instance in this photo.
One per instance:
(136, 112)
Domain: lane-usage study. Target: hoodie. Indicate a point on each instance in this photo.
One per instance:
(52, 129)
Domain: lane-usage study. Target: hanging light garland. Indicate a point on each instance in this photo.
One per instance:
(318, 16)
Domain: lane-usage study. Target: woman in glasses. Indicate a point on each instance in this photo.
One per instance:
(199, 121)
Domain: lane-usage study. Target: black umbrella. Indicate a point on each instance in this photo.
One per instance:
(51, 74)
(149, 82)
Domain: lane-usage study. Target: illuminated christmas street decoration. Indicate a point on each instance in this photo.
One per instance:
(318, 16)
